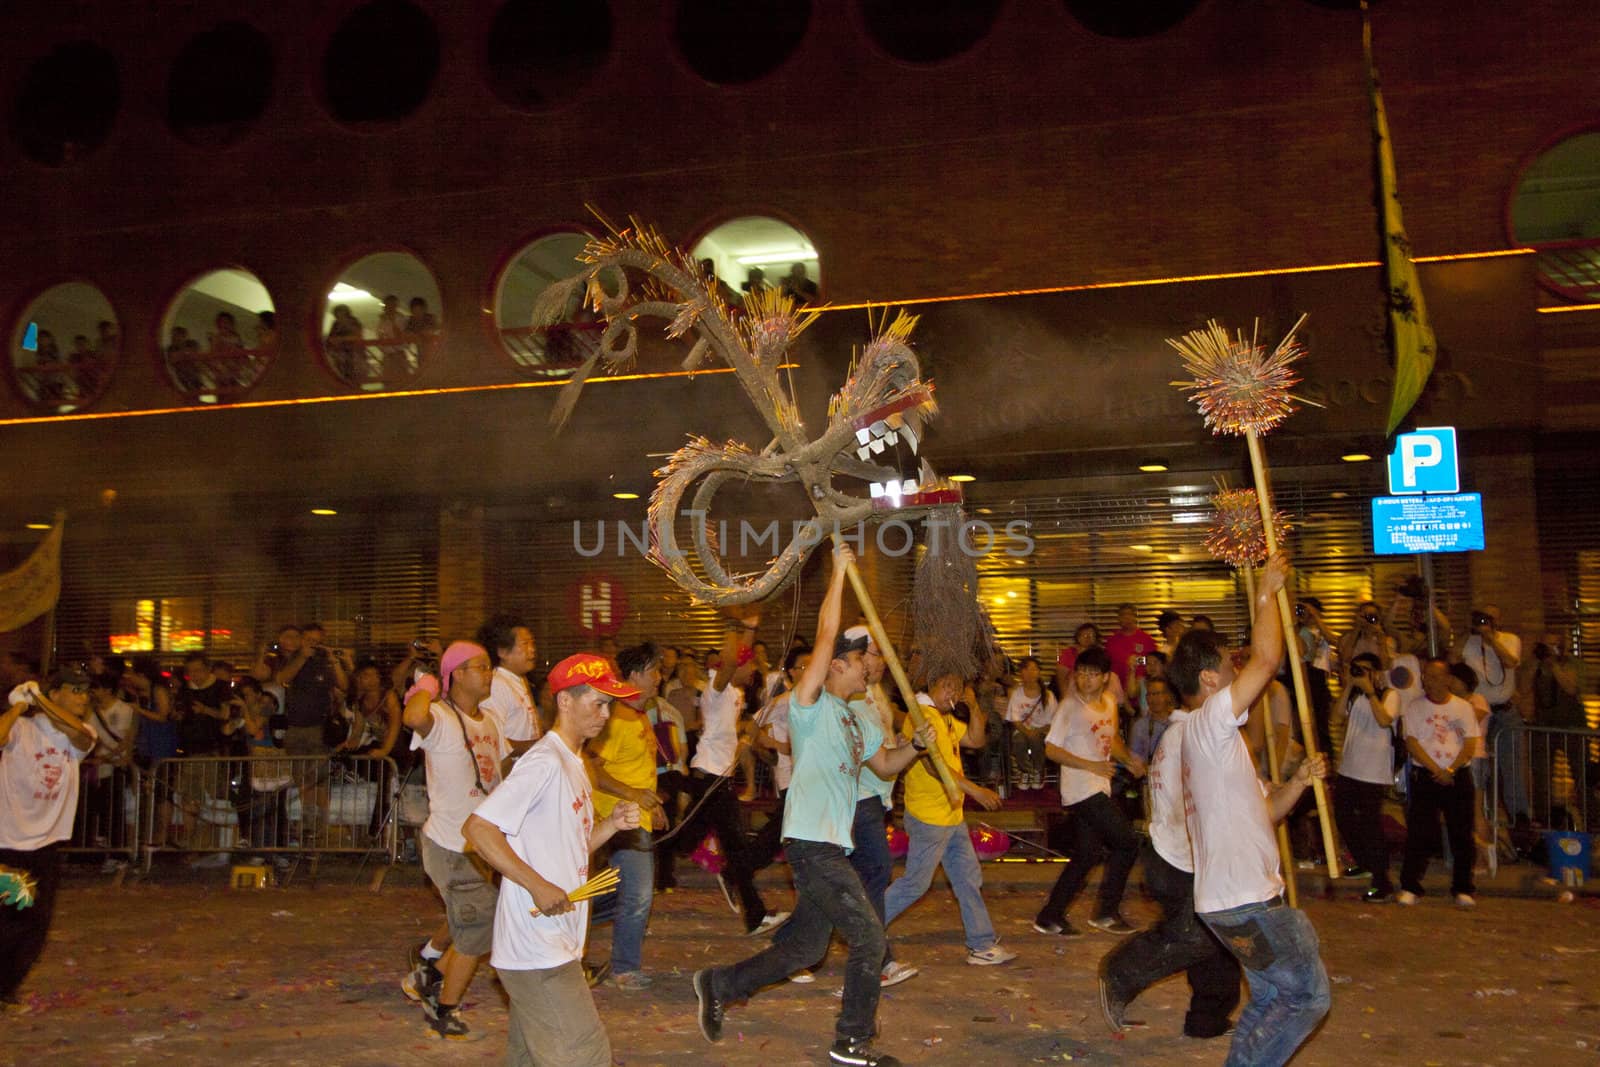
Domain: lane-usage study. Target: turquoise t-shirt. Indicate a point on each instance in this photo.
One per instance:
(871, 785)
(829, 742)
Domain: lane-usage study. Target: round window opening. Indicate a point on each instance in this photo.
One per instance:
(381, 321)
(64, 348)
(556, 350)
(755, 252)
(1555, 208)
(219, 336)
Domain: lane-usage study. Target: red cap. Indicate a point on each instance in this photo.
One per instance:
(591, 670)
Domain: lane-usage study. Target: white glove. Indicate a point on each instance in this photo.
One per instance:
(26, 693)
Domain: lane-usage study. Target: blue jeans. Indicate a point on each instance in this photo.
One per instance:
(1505, 731)
(635, 893)
(951, 847)
(1289, 996)
(828, 897)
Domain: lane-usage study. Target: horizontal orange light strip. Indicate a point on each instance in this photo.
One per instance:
(396, 395)
(1569, 307)
(1175, 280)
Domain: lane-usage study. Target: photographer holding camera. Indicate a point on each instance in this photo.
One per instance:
(1495, 656)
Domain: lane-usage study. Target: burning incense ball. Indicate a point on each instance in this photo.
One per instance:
(1237, 536)
(1239, 387)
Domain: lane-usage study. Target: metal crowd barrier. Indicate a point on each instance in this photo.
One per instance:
(273, 805)
(110, 812)
(1547, 774)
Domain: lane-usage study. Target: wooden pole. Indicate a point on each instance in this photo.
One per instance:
(1274, 770)
(909, 694)
(1297, 669)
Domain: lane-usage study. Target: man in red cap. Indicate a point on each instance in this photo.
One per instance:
(463, 750)
(538, 830)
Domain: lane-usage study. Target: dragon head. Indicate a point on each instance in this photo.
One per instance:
(864, 466)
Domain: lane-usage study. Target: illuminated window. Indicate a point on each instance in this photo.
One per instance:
(757, 251)
(64, 348)
(1555, 207)
(66, 104)
(542, 52)
(544, 351)
(219, 335)
(381, 321)
(732, 42)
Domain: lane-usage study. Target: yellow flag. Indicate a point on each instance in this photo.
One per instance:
(1410, 336)
(33, 588)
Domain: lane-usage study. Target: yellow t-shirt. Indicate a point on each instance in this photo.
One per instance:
(926, 800)
(628, 751)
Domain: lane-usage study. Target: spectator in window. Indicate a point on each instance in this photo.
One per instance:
(1494, 656)
(623, 760)
(43, 739)
(513, 651)
(464, 752)
(1030, 710)
(345, 337)
(1084, 740)
(1441, 735)
(798, 287)
(1366, 770)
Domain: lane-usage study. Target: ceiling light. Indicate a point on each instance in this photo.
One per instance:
(1355, 457)
(963, 478)
(39, 526)
(1153, 466)
(625, 496)
(323, 511)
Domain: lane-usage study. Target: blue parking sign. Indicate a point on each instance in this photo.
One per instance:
(1424, 461)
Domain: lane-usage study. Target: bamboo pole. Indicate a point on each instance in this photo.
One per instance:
(1274, 769)
(909, 694)
(1297, 670)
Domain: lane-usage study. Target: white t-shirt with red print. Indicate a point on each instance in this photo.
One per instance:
(452, 787)
(1086, 731)
(1230, 828)
(1441, 729)
(546, 810)
(38, 784)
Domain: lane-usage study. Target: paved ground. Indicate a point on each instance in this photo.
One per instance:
(180, 971)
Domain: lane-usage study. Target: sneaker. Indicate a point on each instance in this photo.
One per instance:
(1405, 897)
(1111, 924)
(1377, 896)
(632, 980)
(447, 1024)
(993, 956)
(1464, 900)
(857, 1052)
(422, 984)
(727, 894)
(710, 1008)
(895, 972)
(1060, 929)
(769, 922)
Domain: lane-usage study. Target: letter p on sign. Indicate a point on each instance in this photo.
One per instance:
(1424, 461)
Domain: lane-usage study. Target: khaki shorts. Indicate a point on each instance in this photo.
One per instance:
(553, 1019)
(469, 899)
